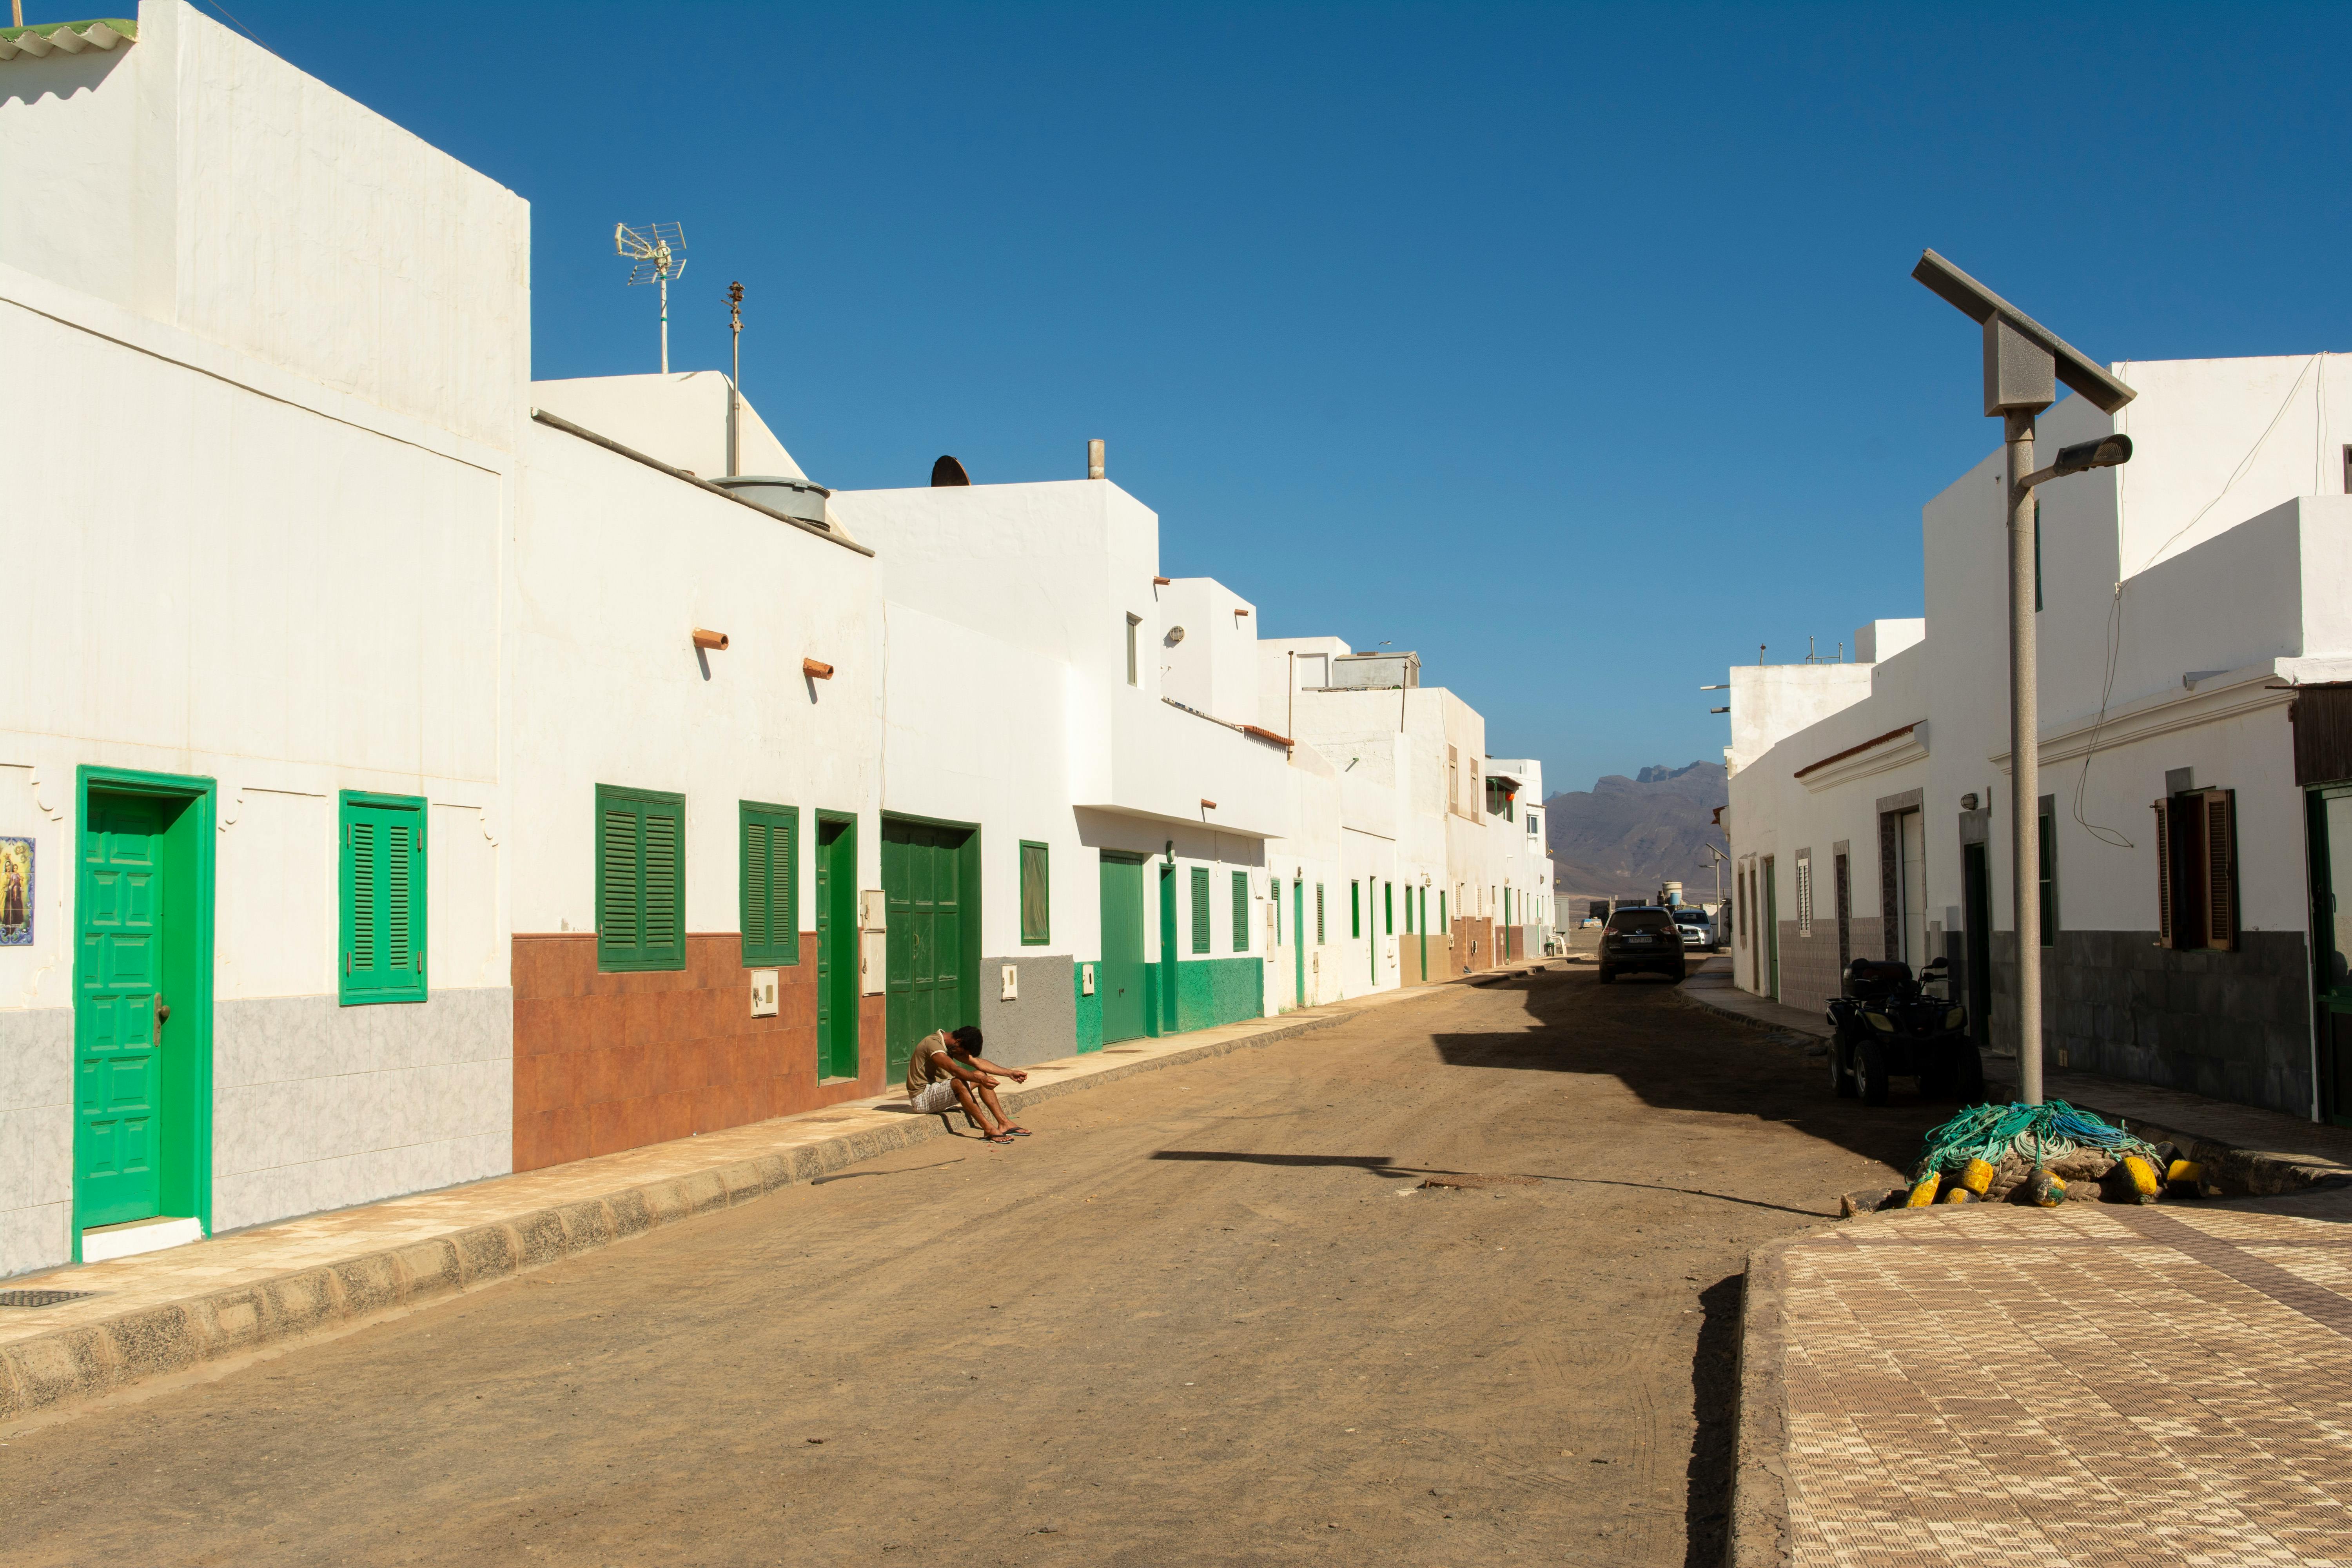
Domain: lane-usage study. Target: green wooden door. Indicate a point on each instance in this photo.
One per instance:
(922, 876)
(2329, 833)
(1118, 979)
(837, 949)
(1164, 1018)
(118, 1026)
(1298, 945)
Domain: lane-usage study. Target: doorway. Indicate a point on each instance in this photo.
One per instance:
(836, 945)
(142, 1001)
(1298, 942)
(1975, 909)
(1771, 924)
(2329, 835)
(930, 883)
(1911, 834)
(1119, 977)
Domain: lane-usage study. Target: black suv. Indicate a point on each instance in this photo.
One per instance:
(1642, 937)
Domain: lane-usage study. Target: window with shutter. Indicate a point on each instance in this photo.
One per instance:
(380, 886)
(2221, 825)
(1200, 881)
(768, 865)
(1036, 895)
(1354, 910)
(2164, 930)
(640, 879)
(1388, 908)
(1241, 911)
(1319, 938)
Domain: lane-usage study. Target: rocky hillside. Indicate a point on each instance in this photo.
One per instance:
(1624, 837)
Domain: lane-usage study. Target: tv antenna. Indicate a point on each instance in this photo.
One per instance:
(659, 251)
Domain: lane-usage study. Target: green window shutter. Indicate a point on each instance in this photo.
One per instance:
(1200, 908)
(1388, 908)
(769, 872)
(1355, 909)
(640, 879)
(1036, 894)
(1319, 938)
(1444, 924)
(1241, 911)
(380, 881)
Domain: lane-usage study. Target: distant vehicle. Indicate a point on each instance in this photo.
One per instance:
(1697, 928)
(1641, 937)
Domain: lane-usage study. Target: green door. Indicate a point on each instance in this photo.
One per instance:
(1118, 978)
(1298, 945)
(1772, 923)
(1164, 1020)
(836, 948)
(2330, 840)
(117, 1050)
(922, 877)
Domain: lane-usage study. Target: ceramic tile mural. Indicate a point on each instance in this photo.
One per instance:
(15, 892)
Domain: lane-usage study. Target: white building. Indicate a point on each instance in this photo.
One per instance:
(254, 746)
(2196, 630)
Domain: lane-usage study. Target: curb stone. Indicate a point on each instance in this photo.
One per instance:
(50, 1373)
(1759, 1536)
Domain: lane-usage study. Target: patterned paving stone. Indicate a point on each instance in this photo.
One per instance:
(2089, 1386)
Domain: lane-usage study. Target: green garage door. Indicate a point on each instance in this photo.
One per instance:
(932, 983)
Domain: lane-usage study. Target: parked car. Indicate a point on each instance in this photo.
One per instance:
(1890, 1025)
(1698, 931)
(1638, 938)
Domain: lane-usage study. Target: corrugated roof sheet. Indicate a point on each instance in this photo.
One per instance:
(66, 38)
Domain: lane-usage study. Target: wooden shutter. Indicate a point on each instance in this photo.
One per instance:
(1200, 908)
(1388, 908)
(380, 881)
(1241, 911)
(1036, 894)
(2220, 807)
(769, 878)
(640, 879)
(1355, 909)
(2164, 924)
(1319, 938)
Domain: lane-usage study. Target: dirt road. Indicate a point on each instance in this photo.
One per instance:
(1210, 1315)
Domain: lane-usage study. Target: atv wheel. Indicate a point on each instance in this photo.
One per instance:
(1841, 1080)
(1871, 1069)
(1967, 1076)
(1608, 976)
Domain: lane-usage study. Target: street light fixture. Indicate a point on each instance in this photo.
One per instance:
(2022, 360)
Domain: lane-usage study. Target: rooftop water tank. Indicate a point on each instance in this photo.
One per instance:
(794, 498)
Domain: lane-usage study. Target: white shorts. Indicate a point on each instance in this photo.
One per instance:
(936, 1097)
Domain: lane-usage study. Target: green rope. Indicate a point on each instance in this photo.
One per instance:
(2035, 1133)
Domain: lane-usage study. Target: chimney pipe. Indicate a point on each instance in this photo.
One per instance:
(1095, 458)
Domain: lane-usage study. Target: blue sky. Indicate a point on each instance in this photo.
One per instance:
(1575, 348)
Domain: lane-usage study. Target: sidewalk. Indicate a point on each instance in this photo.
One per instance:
(166, 1312)
(2092, 1384)
(2246, 1149)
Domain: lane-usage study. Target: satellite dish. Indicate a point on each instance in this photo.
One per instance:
(948, 471)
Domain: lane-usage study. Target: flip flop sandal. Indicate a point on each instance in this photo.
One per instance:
(996, 1138)
(1017, 1131)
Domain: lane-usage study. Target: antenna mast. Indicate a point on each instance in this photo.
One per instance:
(659, 251)
(735, 387)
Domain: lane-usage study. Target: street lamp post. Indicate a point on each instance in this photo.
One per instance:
(2022, 359)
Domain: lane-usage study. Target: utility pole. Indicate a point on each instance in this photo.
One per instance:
(2023, 361)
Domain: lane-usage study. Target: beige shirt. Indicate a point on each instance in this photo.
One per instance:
(922, 1070)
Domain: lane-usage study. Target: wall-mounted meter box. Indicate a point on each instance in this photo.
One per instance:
(1011, 982)
(763, 994)
(1087, 979)
(873, 910)
(873, 963)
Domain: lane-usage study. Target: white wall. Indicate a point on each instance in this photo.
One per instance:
(680, 418)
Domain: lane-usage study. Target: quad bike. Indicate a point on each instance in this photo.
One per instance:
(1890, 1025)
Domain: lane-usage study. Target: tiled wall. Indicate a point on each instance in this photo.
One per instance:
(1473, 946)
(1809, 975)
(606, 1062)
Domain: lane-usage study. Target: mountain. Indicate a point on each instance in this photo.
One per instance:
(1624, 837)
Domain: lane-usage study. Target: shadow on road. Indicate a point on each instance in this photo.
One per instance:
(1677, 1057)
(1715, 1402)
(1380, 1165)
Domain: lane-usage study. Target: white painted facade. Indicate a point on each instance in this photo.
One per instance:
(2184, 595)
(287, 363)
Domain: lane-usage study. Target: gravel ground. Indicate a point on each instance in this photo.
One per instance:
(1211, 1315)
